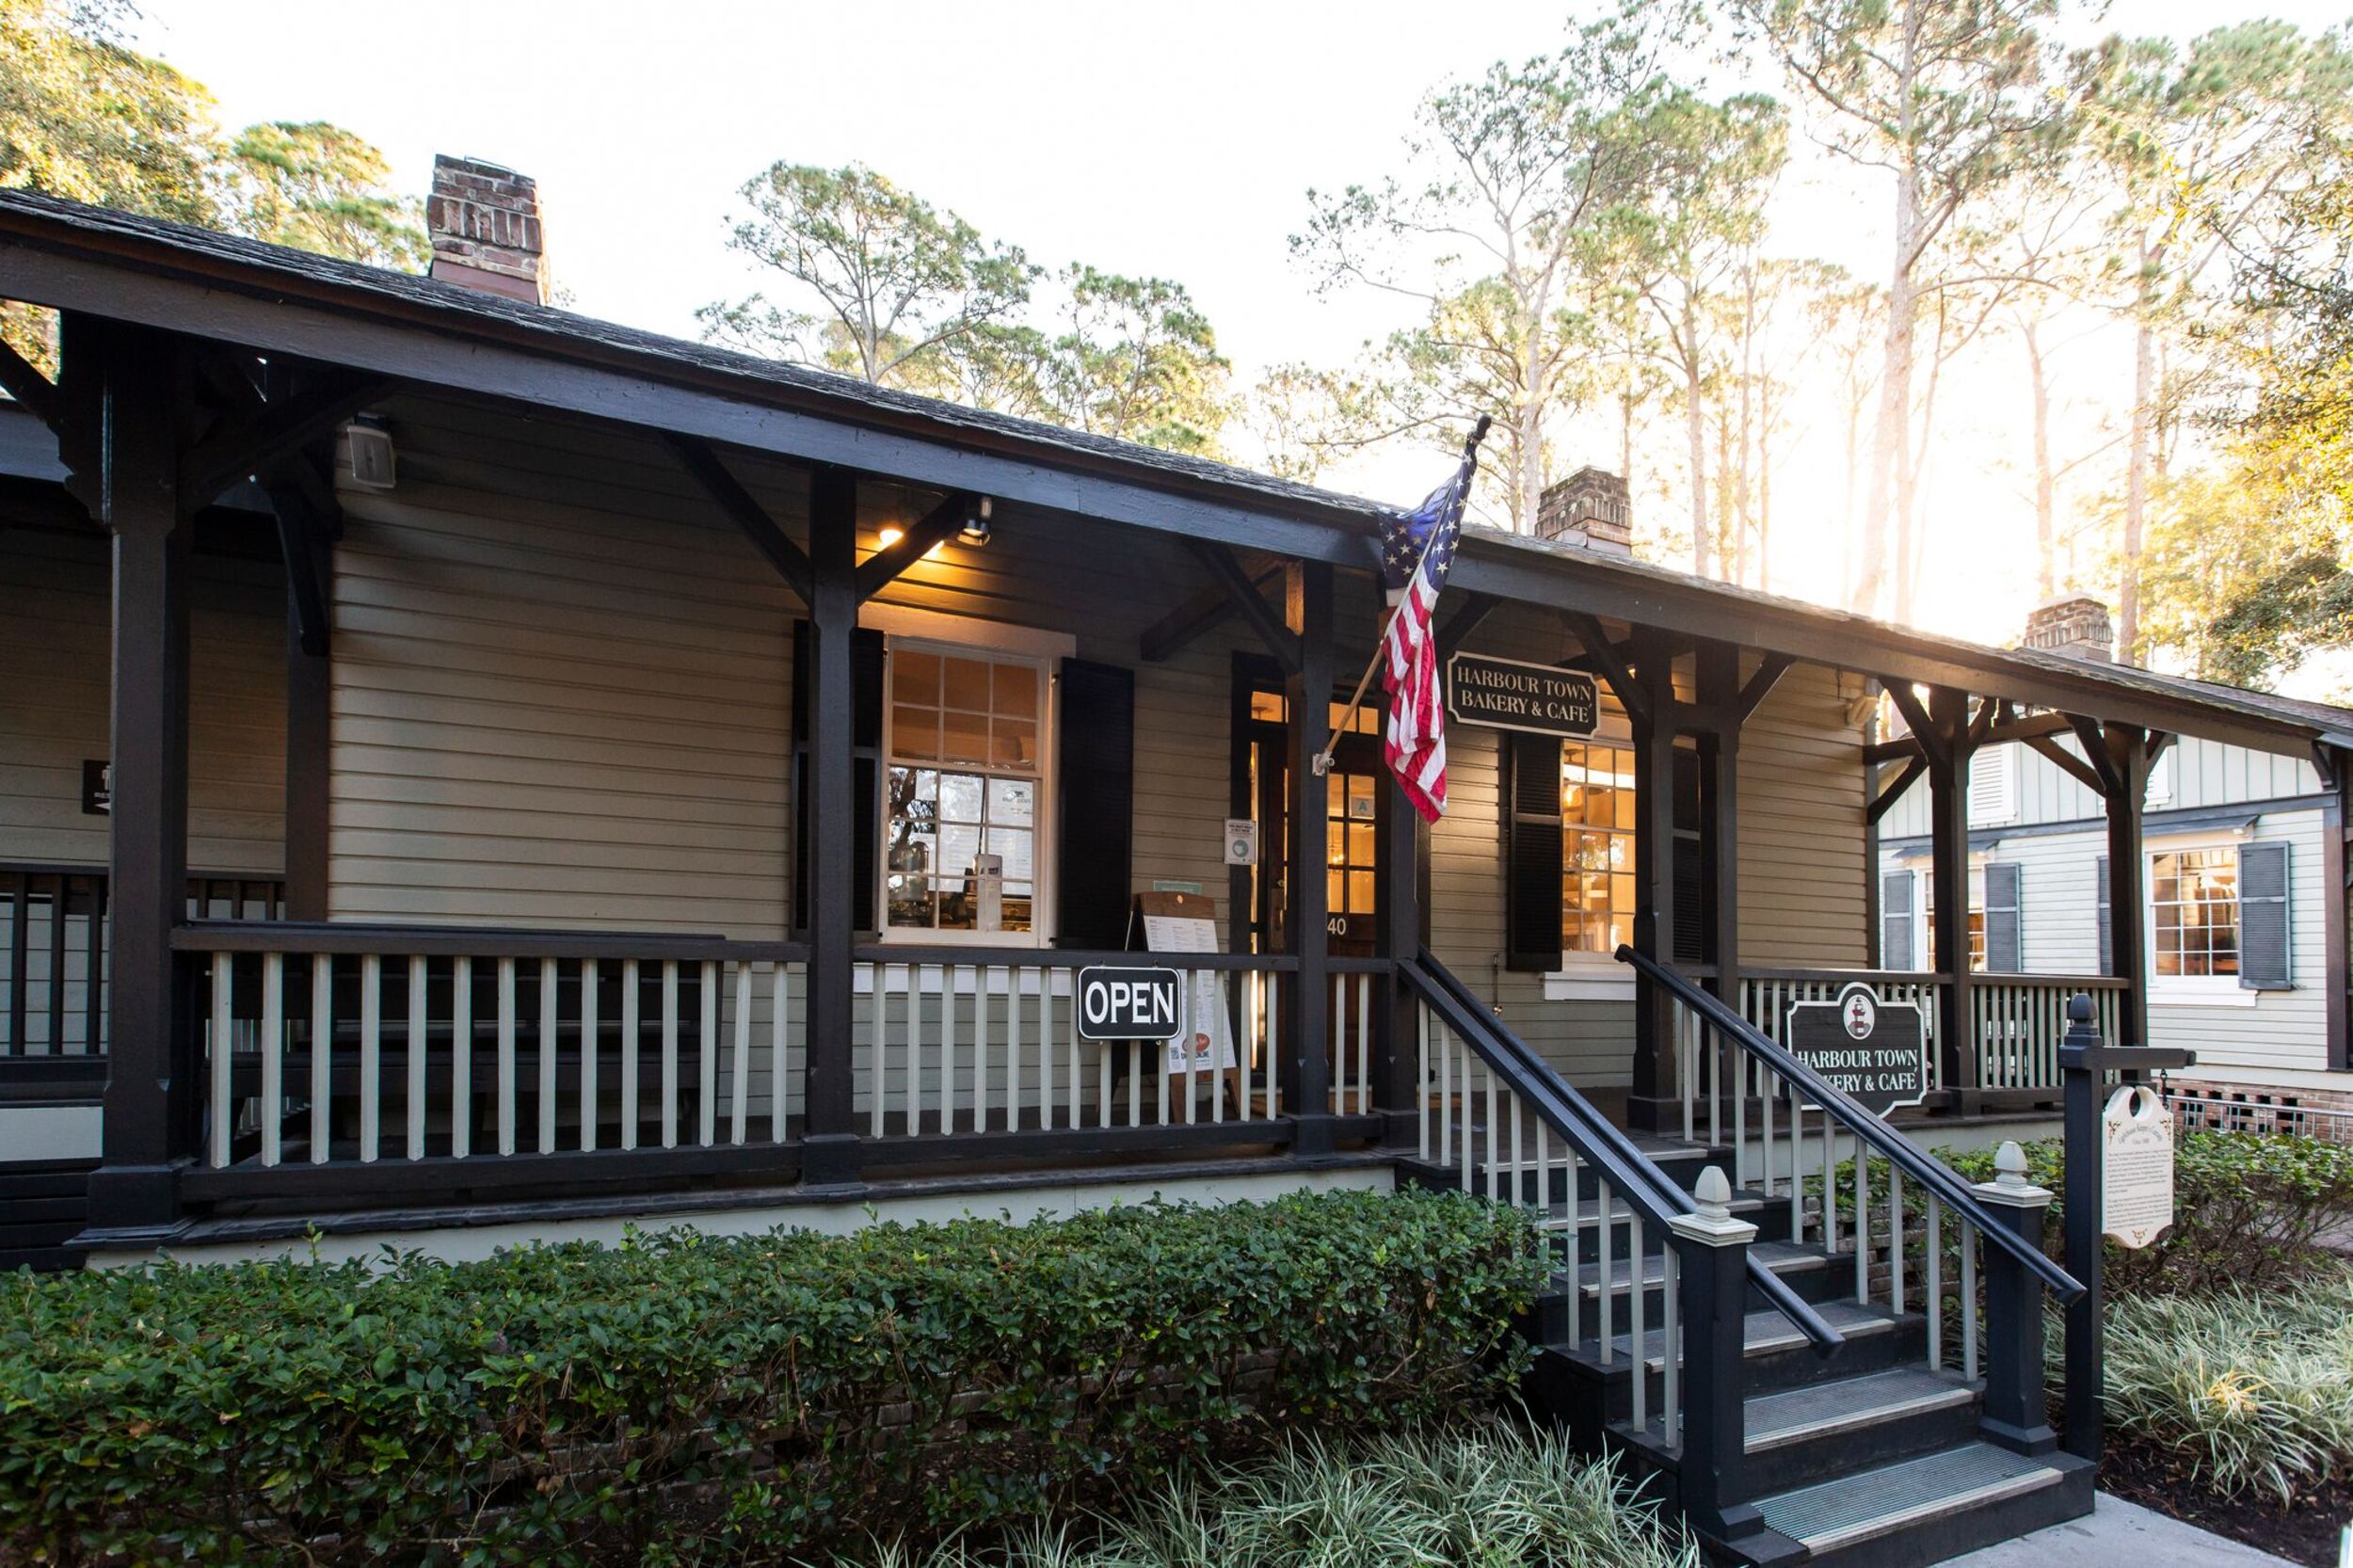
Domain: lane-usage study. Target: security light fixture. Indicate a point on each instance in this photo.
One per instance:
(976, 526)
(373, 464)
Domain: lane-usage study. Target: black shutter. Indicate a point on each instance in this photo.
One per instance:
(1532, 852)
(2107, 943)
(2003, 935)
(1094, 849)
(2262, 918)
(1896, 921)
(866, 658)
(1689, 868)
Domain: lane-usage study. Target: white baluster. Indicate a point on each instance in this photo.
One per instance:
(740, 1079)
(1968, 1300)
(980, 1048)
(779, 994)
(669, 1053)
(707, 1075)
(1862, 1221)
(1935, 1265)
(272, 1053)
(1013, 1050)
(1607, 1200)
(1670, 1332)
(1637, 1264)
(1445, 1098)
(1364, 1044)
(947, 1048)
(224, 980)
(1896, 1239)
(1423, 1085)
(1046, 1049)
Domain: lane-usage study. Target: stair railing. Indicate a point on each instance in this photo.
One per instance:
(1494, 1114)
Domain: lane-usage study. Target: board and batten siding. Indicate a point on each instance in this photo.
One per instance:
(2059, 931)
(56, 664)
(2194, 773)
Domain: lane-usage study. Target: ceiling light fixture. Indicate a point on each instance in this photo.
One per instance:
(976, 526)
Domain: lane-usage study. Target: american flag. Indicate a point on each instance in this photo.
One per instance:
(1416, 550)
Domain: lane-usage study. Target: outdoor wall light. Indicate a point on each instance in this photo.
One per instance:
(886, 537)
(976, 526)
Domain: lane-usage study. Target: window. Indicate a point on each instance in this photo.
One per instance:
(1976, 919)
(2194, 913)
(1596, 847)
(967, 738)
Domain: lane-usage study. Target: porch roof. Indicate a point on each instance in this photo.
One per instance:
(275, 299)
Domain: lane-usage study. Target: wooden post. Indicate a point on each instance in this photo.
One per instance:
(1654, 869)
(1716, 686)
(1306, 1068)
(2128, 948)
(830, 1151)
(150, 1111)
(1405, 846)
(309, 694)
(1947, 752)
(1713, 1296)
(2014, 1415)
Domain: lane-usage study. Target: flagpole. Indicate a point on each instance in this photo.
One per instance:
(1323, 762)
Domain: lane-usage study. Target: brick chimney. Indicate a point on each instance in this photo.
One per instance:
(484, 222)
(1589, 508)
(2075, 625)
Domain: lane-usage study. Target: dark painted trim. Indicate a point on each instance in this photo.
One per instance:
(831, 773)
(1946, 736)
(1307, 1069)
(2185, 819)
(937, 526)
(728, 493)
(310, 681)
(1281, 640)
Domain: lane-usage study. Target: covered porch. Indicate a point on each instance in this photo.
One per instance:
(695, 781)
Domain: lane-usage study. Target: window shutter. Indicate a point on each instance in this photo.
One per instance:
(1093, 849)
(1896, 921)
(866, 660)
(2262, 918)
(2003, 935)
(2108, 944)
(1994, 784)
(1532, 852)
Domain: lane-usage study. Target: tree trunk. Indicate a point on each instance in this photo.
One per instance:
(1891, 432)
(2136, 493)
(1696, 429)
(2045, 486)
(1531, 474)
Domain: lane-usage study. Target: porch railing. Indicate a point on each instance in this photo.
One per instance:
(439, 1058)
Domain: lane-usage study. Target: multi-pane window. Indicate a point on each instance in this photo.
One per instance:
(2193, 903)
(1596, 846)
(1350, 802)
(966, 734)
(1976, 918)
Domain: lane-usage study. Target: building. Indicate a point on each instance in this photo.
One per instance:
(2242, 856)
(470, 773)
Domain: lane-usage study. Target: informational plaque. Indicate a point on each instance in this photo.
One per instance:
(1505, 694)
(1873, 1050)
(2135, 1166)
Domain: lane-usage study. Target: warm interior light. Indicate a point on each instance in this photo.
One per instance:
(886, 537)
(890, 537)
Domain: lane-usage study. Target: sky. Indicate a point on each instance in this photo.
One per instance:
(1173, 141)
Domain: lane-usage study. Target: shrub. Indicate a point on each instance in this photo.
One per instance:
(685, 1398)
(2244, 1389)
(2248, 1210)
(1487, 1495)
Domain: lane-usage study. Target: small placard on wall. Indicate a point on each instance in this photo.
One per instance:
(98, 790)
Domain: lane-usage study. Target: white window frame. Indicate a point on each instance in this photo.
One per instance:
(1924, 935)
(1595, 976)
(2186, 991)
(929, 631)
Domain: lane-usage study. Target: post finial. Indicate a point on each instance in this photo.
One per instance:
(2079, 1008)
(1714, 1193)
(2009, 1165)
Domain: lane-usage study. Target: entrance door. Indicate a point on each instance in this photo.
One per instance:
(1355, 802)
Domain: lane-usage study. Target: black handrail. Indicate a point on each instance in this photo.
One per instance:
(1866, 1125)
(1572, 1116)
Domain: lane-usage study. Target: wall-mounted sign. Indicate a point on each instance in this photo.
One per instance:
(1241, 841)
(1505, 694)
(98, 787)
(1874, 1050)
(1118, 1002)
(2135, 1166)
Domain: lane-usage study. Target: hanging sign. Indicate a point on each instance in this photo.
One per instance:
(2135, 1166)
(1874, 1050)
(98, 787)
(1117, 1002)
(1504, 693)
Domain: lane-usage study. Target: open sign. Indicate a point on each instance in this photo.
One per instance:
(1117, 1003)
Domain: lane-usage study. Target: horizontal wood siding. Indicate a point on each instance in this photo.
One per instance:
(54, 677)
(2201, 772)
(1801, 826)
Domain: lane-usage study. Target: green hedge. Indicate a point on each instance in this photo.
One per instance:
(684, 1399)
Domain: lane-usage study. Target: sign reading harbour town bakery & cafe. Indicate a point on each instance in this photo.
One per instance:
(1504, 693)
(1873, 1050)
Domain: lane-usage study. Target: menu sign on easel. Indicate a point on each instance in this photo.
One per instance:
(1187, 922)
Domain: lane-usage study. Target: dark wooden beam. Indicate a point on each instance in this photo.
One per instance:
(2014, 729)
(299, 542)
(1761, 683)
(935, 527)
(703, 463)
(1894, 790)
(1650, 708)
(35, 392)
(1901, 749)
(2068, 762)
(1949, 854)
(1226, 570)
(249, 445)
(831, 1153)
(1467, 618)
(2095, 743)
(1631, 693)
(1203, 609)
(1306, 1071)
(1906, 701)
